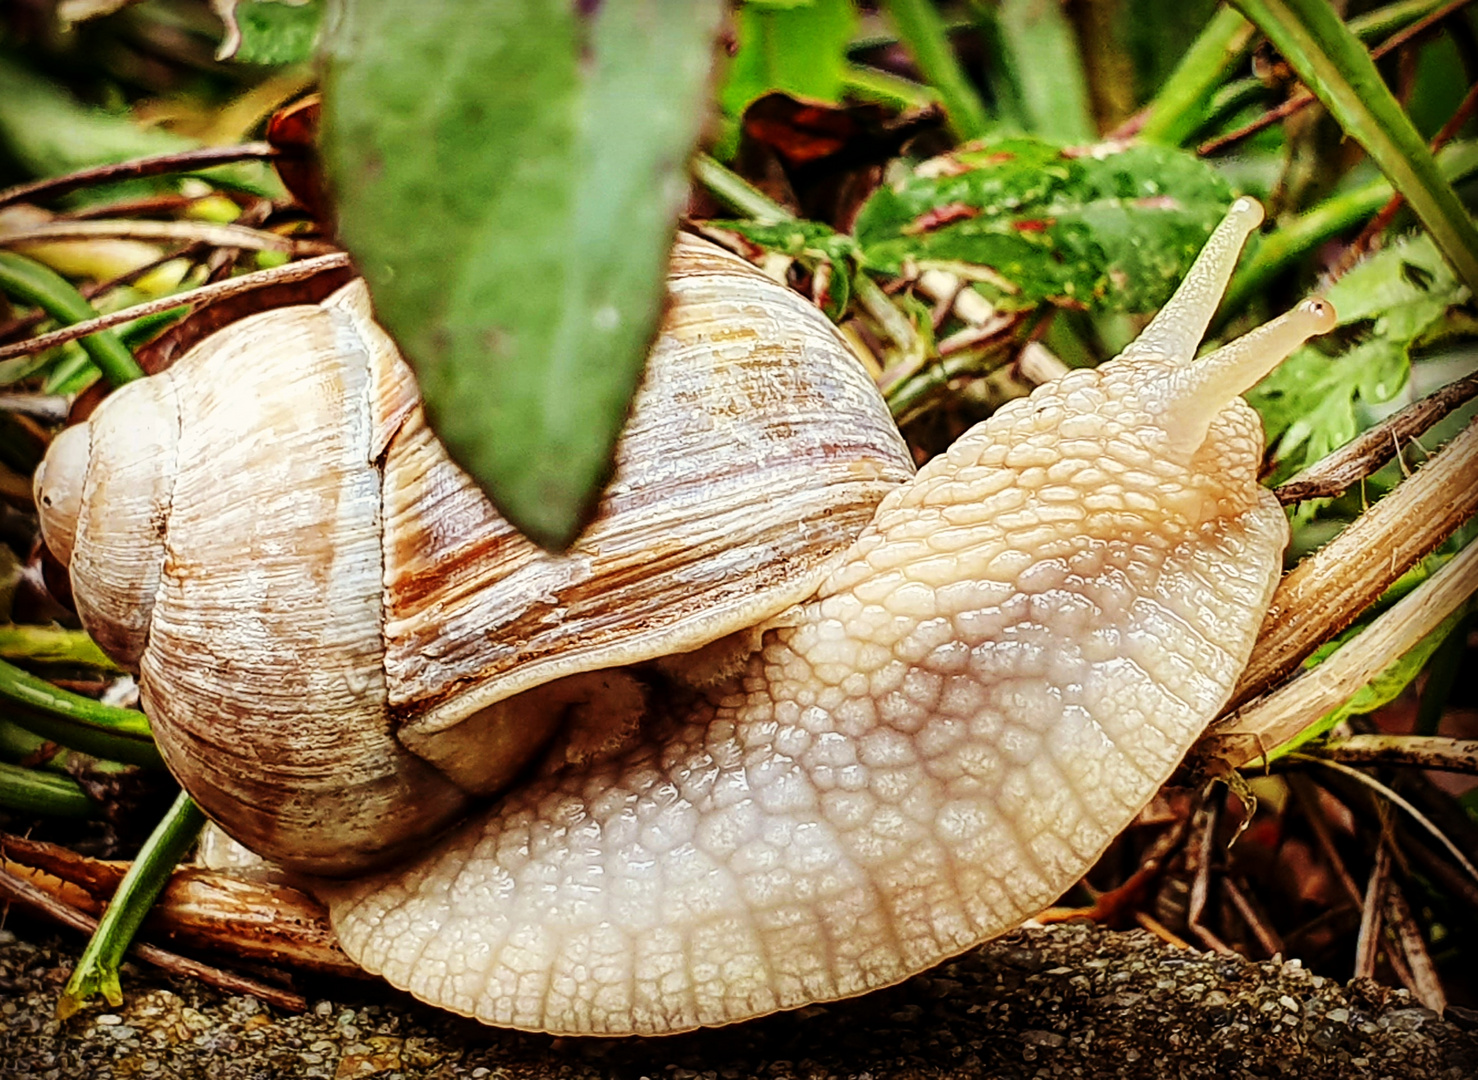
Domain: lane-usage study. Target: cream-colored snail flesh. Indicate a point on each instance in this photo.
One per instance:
(825, 724)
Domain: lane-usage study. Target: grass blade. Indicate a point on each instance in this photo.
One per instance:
(923, 31)
(97, 970)
(1180, 106)
(32, 283)
(31, 792)
(77, 722)
(1337, 68)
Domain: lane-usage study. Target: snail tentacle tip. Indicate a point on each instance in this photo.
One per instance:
(1247, 212)
(1321, 314)
(1174, 333)
(1197, 393)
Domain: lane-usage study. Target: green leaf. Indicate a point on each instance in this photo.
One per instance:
(1107, 228)
(798, 239)
(276, 31)
(818, 247)
(1337, 68)
(1394, 298)
(508, 176)
(798, 49)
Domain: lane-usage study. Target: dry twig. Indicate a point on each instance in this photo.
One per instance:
(188, 232)
(1198, 862)
(1422, 751)
(185, 161)
(1329, 589)
(1425, 983)
(1266, 936)
(23, 892)
(1368, 943)
(1398, 800)
(1369, 451)
(1277, 717)
(259, 921)
(261, 279)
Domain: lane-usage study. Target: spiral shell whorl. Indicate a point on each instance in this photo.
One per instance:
(264, 672)
(118, 555)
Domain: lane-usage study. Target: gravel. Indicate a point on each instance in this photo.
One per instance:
(1067, 1001)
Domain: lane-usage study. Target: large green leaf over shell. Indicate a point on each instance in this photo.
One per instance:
(507, 177)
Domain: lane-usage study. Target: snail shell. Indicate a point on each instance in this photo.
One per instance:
(270, 534)
(986, 677)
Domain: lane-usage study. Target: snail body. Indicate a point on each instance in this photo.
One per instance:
(920, 731)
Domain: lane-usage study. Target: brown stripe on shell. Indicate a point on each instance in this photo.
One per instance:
(263, 675)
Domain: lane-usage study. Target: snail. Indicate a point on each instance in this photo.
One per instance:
(789, 723)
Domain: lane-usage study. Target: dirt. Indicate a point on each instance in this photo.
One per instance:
(1067, 1001)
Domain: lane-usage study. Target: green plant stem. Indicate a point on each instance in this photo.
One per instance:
(52, 645)
(1374, 25)
(892, 321)
(97, 970)
(141, 330)
(1338, 69)
(871, 84)
(72, 374)
(1274, 252)
(1180, 106)
(29, 281)
(737, 193)
(77, 722)
(910, 397)
(17, 744)
(32, 792)
(923, 31)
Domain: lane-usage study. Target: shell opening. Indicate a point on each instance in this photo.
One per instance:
(58, 489)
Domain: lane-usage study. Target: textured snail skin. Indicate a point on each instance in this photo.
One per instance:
(994, 679)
